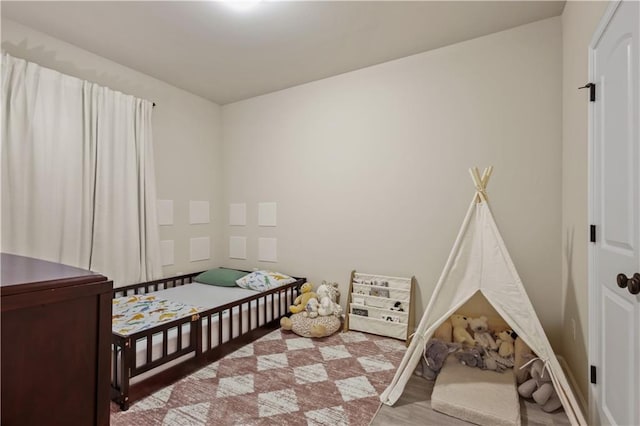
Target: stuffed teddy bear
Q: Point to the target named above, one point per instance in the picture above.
(481, 334)
(540, 387)
(435, 353)
(505, 341)
(327, 296)
(300, 303)
(460, 333)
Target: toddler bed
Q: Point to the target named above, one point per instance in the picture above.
(168, 328)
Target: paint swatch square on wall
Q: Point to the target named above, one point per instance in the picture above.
(267, 214)
(268, 249)
(199, 249)
(165, 212)
(166, 252)
(238, 247)
(238, 214)
(198, 212)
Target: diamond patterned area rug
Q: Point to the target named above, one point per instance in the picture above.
(280, 379)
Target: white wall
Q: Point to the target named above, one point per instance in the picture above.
(187, 139)
(579, 21)
(369, 168)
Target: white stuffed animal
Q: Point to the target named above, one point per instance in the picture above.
(481, 333)
(327, 295)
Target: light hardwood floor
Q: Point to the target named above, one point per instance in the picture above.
(414, 408)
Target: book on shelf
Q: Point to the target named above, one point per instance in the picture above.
(379, 283)
(359, 301)
(392, 318)
(360, 311)
(379, 292)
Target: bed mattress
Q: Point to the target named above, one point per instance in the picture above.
(132, 314)
(206, 296)
(478, 396)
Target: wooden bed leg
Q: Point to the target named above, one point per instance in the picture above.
(126, 374)
(125, 360)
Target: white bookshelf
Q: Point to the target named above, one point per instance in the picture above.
(381, 305)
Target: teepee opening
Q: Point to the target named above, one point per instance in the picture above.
(480, 279)
(478, 306)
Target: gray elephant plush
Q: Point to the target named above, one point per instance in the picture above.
(540, 388)
(435, 353)
(471, 356)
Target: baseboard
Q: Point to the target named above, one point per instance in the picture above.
(584, 406)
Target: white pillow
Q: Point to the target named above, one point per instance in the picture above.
(264, 280)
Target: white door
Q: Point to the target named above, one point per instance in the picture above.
(615, 210)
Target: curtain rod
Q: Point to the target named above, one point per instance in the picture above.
(3, 52)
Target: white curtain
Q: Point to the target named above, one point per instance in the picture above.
(78, 183)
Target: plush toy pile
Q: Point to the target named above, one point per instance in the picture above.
(315, 314)
(483, 349)
(474, 345)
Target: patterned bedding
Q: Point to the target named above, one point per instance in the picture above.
(132, 314)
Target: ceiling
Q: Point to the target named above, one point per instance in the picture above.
(225, 55)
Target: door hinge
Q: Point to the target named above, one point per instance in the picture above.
(593, 374)
(592, 233)
(592, 91)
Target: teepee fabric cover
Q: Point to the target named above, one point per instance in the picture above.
(479, 261)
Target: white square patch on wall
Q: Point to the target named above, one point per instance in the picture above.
(165, 212)
(166, 252)
(199, 249)
(267, 214)
(268, 249)
(238, 214)
(238, 247)
(198, 212)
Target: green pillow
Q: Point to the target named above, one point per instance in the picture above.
(221, 277)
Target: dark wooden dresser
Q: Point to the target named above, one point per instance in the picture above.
(56, 332)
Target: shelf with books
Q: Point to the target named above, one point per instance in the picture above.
(379, 313)
(381, 305)
(397, 294)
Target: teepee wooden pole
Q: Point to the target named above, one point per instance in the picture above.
(475, 174)
(486, 175)
(476, 198)
(481, 182)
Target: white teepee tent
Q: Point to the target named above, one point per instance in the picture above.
(479, 261)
